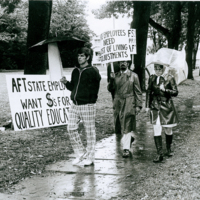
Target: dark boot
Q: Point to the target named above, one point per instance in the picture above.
(168, 145)
(158, 143)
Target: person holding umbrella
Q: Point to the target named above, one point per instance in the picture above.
(127, 102)
(161, 88)
(84, 87)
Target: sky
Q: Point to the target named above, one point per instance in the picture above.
(100, 26)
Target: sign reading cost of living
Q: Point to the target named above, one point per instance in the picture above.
(37, 102)
(117, 45)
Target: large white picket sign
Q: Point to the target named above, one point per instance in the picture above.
(117, 45)
(37, 102)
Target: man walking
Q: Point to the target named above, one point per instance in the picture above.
(127, 103)
(84, 87)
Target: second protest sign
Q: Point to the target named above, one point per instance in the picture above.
(117, 45)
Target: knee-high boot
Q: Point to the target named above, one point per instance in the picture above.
(158, 143)
(168, 145)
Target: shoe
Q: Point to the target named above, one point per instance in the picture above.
(77, 160)
(126, 153)
(87, 162)
(158, 159)
(169, 153)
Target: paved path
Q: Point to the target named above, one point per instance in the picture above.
(101, 181)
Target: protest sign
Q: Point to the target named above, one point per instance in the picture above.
(37, 102)
(132, 40)
(117, 45)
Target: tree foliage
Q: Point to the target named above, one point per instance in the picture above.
(68, 19)
(13, 32)
(179, 24)
(114, 8)
(166, 20)
(9, 5)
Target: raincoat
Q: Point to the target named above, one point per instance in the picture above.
(128, 96)
(160, 102)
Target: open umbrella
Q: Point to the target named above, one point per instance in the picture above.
(69, 43)
(174, 61)
(51, 46)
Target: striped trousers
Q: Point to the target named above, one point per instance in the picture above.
(87, 114)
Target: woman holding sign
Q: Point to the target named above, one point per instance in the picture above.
(127, 103)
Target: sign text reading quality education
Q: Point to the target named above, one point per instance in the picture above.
(37, 102)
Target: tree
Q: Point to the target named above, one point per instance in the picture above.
(9, 5)
(38, 30)
(159, 41)
(196, 38)
(193, 14)
(114, 8)
(184, 28)
(13, 32)
(140, 23)
(168, 21)
(68, 19)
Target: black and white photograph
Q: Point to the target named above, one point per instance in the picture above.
(99, 100)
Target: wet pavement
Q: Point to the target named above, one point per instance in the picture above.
(62, 180)
(103, 180)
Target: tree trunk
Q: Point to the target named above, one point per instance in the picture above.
(140, 23)
(194, 54)
(175, 34)
(190, 37)
(38, 30)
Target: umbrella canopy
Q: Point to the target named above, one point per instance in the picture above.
(69, 43)
(174, 61)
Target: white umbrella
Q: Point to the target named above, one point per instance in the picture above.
(174, 61)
